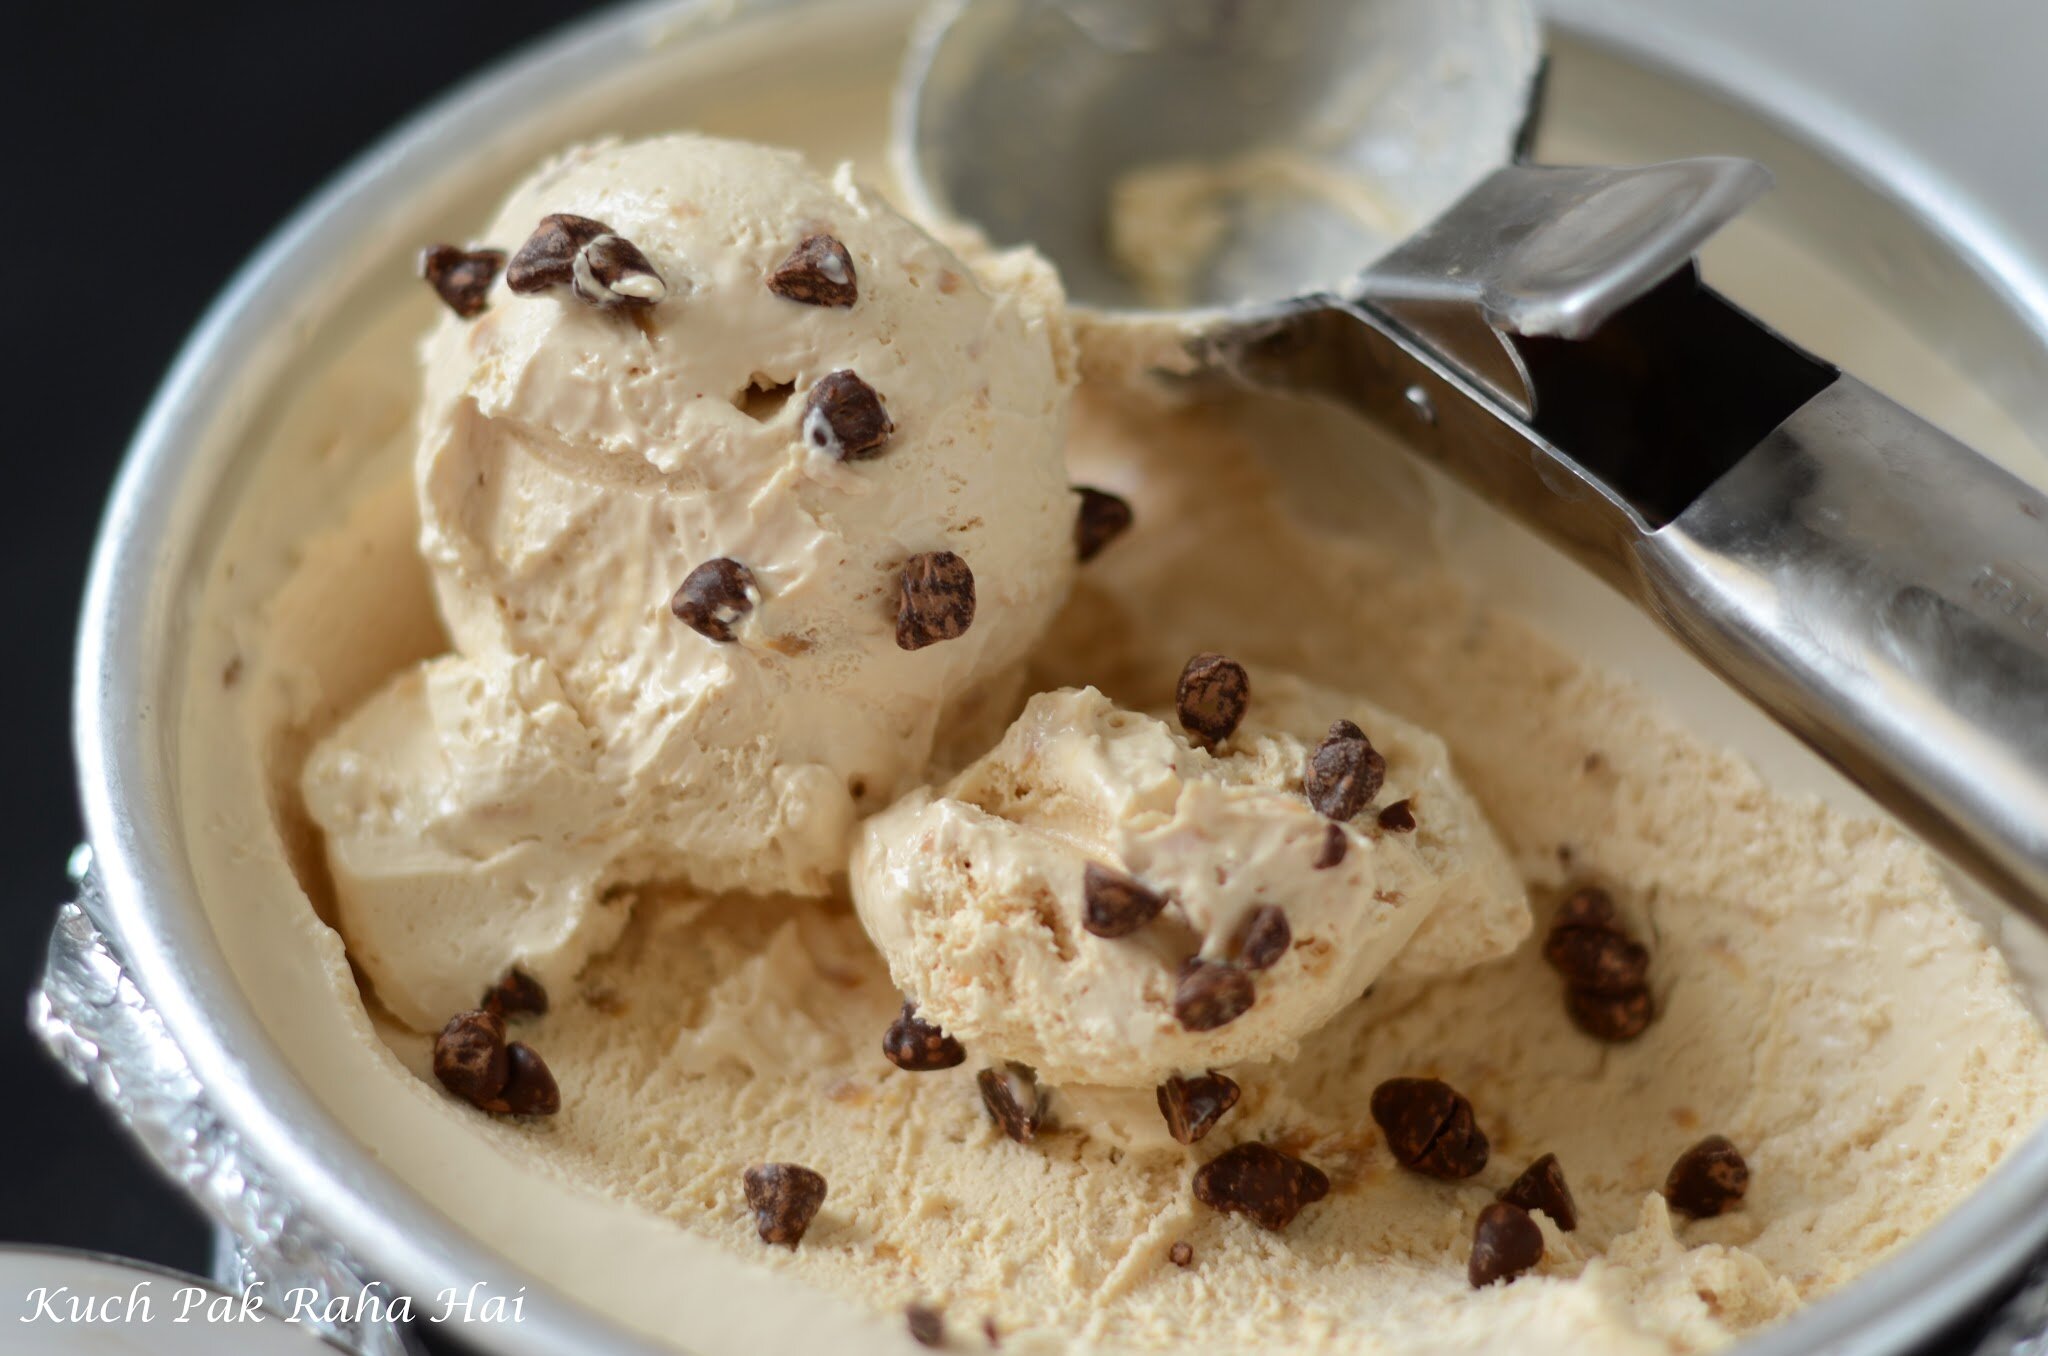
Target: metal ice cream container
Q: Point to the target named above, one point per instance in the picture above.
(1922, 215)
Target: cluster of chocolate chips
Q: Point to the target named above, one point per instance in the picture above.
(599, 267)
(1605, 970)
(1707, 1179)
(844, 417)
(1214, 993)
(784, 1198)
(1506, 1240)
(473, 1060)
(1430, 1129)
(1009, 1091)
(1210, 700)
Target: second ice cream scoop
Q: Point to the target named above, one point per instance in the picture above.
(1107, 900)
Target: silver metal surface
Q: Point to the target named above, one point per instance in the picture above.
(1878, 587)
(1871, 582)
(1884, 591)
(1024, 115)
(1550, 250)
(89, 1014)
(181, 471)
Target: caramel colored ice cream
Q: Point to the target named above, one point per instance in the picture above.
(975, 891)
(578, 462)
(618, 652)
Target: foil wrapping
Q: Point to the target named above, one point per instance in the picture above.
(89, 1013)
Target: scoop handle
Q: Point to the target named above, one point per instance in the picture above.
(1875, 585)
(1882, 590)
(1878, 587)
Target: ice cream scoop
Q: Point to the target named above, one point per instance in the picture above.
(740, 494)
(1543, 333)
(1106, 899)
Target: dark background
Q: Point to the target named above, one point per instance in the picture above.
(149, 146)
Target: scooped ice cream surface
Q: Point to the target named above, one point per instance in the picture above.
(726, 552)
(979, 893)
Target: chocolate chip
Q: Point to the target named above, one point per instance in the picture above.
(1258, 1180)
(469, 1056)
(1603, 967)
(1707, 1179)
(1211, 994)
(988, 1330)
(818, 272)
(926, 1325)
(1114, 905)
(1505, 1243)
(611, 271)
(1344, 772)
(1331, 852)
(1597, 962)
(716, 597)
(1542, 1187)
(1399, 817)
(529, 1088)
(1181, 1254)
(548, 258)
(1102, 519)
(517, 994)
(845, 419)
(1011, 1095)
(936, 600)
(1263, 938)
(1615, 1018)
(1192, 1106)
(1587, 907)
(917, 1046)
(1429, 1127)
(784, 1198)
(462, 278)
(1211, 697)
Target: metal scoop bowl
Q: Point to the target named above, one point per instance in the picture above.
(1344, 186)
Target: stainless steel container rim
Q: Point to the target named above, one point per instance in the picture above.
(130, 613)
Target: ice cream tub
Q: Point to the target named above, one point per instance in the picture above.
(185, 1001)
